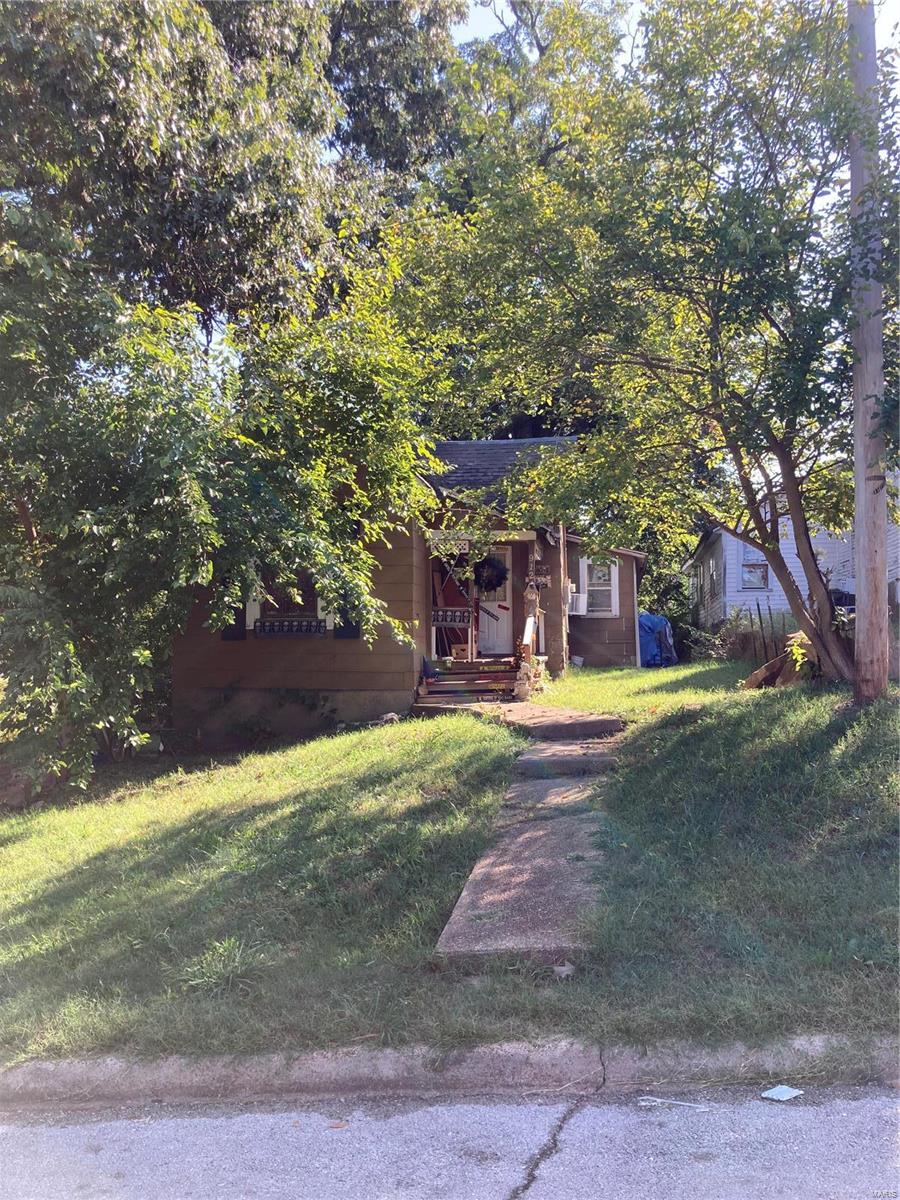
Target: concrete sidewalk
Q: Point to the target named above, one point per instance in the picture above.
(833, 1143)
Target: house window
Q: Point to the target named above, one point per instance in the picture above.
(754, 569)
(285, 615)
(713, 577)
(283, 605)
(600, 582)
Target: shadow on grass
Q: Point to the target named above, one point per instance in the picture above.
(703, 678)
(756, 835)
(747, 890)
(778, 760)
(326, 877)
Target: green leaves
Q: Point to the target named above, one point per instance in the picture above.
(651, 253)
(326, 457)
(159, 466)
(202, 388)
(121, 527)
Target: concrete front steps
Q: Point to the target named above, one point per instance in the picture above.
(544, 760)
(497, 681)
(557, 724)
(536, 720)
(529, 893)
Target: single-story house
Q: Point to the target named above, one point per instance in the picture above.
(293, 668)
(728, 576)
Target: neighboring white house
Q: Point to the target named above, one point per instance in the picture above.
(728, 575)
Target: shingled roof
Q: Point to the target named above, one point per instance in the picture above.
(483, 464)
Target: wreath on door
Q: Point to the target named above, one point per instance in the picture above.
(491, 573)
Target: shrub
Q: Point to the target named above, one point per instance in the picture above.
(739, 637)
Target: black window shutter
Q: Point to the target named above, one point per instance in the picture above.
(347, 628)
(237, 630)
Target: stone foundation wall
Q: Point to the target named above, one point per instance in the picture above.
(222, 718)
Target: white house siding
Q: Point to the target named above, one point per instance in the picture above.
(728, 550)
(711, 603)
(834, 553)
(838, 558)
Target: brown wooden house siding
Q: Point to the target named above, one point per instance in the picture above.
(227, 690)
(607, 641)
(293, 685)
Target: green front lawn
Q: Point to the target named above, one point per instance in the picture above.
(750, 882)
(292, 898)
(751, 876)
(642, 694)
(288, 898)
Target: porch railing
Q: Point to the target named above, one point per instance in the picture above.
(528, 636)
(451, 618)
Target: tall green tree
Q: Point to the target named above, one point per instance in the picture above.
(187, 141)
(202, 385)
(387, 65)
(182, 162)
(648, 245)
(163, 467)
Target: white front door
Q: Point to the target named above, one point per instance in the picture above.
(495, 627)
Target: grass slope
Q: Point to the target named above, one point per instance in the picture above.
(750, 875)
(641, 694)
(292, 899)
(751, 868)
(289, 898)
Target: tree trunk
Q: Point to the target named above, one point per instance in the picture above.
(831, 648)
(832, 642)
(26, 521)
(816, 620)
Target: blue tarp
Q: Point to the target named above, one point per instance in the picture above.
(657, 643)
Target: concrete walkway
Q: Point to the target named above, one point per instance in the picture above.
(530, 891)
(833, 1144)
(548, 760)
(554, 724)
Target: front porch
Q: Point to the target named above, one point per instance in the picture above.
(471, 620)
(495, 623)
(479, 610)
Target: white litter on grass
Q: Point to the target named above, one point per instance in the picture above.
(782, 1092)
(655, 1101)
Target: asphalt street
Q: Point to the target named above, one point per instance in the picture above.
(831, 1144)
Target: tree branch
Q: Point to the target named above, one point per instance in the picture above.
(26, 520)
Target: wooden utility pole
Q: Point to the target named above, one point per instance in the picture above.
(868, 370)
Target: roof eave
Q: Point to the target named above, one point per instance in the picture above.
(705, 539)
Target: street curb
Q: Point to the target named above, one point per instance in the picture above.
(563, 1067)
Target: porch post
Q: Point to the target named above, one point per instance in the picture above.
(532, 619)
(471, 643)
(556, 605)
